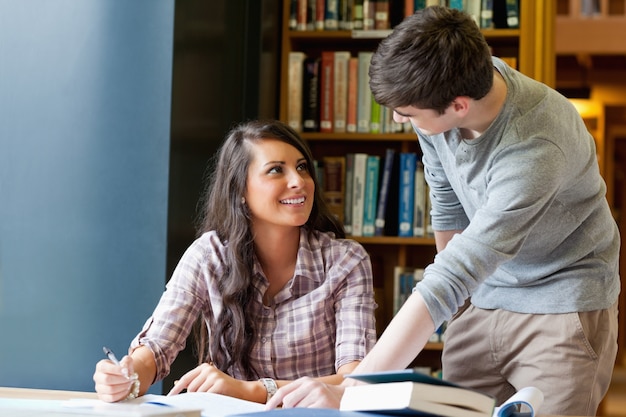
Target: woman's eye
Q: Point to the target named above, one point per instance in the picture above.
(275, 170)
(302, 167)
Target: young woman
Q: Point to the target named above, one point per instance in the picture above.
(279, 293)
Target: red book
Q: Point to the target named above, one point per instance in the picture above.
(327, 91)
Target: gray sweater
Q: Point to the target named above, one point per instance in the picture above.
(538, 234)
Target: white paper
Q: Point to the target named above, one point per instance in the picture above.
(212, 405)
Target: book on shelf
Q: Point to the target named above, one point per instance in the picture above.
(383, 192)
(353, 86)
(293, 15)
(419, 212)
(358, 192)
(301, 14)
(406, 198)
(456, 4)
(320, 12)
(311, 6)
(472, 7)
(364, 95)
(371, 194)
(357, 15)
(331, 15)
(340, 91)
(334, 190)
(375, 116)
(349, 182)
(310, 94)
(346, 10)
(381, 14)
(506, 13)
(327, 84)
(486, 14)
(294, 87)
(407, 391)
(369, 14)
(429, 223)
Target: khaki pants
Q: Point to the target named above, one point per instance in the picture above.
(570, 357)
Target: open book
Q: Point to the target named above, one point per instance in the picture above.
(411, 392)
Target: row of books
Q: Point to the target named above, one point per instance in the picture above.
(330, 93)
(312, 15)
(376, 196)
(341, 14)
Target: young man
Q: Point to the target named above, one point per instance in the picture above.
(527, 247)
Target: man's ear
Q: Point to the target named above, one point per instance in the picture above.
(461, 104)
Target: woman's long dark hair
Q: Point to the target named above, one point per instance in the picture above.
(233, 332)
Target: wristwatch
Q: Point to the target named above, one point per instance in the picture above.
(270, 386)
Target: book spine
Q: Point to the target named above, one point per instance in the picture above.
(486, 14)
(334, 168)
(320, 11)
(340, 93)
(383, 193)
(310, 14)
(429, 224)
(419, 217)
(472, 7)
(293, 14)
(381, 16)
(364, 95)
(419, 5)
(294, 103)
(407, 194)
(456, 4)
(505, 13)
(301, 15)
(357, 15)
(310, 95)
(375, 116)
(347, 214)
(327, 91)
(358, 193)
(353, 86)
(409, 7)
(371, 194)
(331, 15)
(369, 14)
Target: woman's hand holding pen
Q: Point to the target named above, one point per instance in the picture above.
(115, 380)
(207, 378)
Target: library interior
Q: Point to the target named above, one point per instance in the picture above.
(233, 60)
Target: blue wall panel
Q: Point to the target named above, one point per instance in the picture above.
(85, 92)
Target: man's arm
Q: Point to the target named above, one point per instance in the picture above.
(443, 237)
(402, 340)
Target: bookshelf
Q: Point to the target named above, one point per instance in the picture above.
(529, 47)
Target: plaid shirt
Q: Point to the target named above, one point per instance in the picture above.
(322, 319)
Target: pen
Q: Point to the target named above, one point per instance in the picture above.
(109, 353)
(134, 378)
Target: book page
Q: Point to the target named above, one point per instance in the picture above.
(525, 403)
